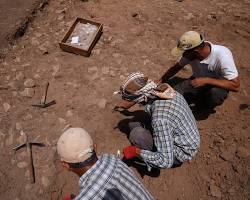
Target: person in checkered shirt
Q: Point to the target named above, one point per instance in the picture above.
(101, 178)
(175, 137)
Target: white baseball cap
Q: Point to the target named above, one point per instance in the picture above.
(75, 145)
(187, 41)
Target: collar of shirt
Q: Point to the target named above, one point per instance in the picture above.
(84, 177)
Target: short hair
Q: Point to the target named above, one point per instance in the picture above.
(91, 160)
(200, 46)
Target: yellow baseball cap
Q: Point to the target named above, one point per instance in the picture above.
(187, 41)
(75, 145)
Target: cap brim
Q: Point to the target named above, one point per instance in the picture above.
(176, 52)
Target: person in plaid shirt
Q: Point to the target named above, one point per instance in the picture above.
(175, 138)
(101, 178)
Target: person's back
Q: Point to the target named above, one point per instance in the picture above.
(111, 179)
(101, 178)
(177, 118)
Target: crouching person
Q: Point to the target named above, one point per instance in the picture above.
(175, 135)
(101, 178)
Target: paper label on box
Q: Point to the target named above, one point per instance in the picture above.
(75, 40)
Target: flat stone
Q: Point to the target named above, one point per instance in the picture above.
(242, 152)
(56, 69)
(105, 70)
(122, 77)
(215, 190)
(43, 50)
(115, 55)
(36, 76)
(20, 139)
(92, 69)
(28, 117)
(94, 76)
(27, 174)
(14, 93)
(69, 113)
(188, 17)
(102, 103)
(13, 85)
(34, 42)
(22, 164)
(18, 126)
(28, 187)
(29, 83)
(61, 120)
(96, 51)
(112, 73)
(228, 153)
(6, 107)
(9, 140)
(45, 181)
(19, 76)
(28, 92)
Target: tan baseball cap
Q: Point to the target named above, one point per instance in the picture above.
(75, 145)
(187, 41)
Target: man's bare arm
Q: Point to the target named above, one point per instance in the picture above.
(171, 72)
(232, 85)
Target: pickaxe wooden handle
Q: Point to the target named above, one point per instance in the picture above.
(29, 154)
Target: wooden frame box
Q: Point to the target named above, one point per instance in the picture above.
(64, 45)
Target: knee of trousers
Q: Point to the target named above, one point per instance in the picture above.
(141, 138)
(217, 96)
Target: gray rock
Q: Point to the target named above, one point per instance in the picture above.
(6, 107)
(22, 164)
(28, 92)
(242, 152)
(102, 103)
(29, 83)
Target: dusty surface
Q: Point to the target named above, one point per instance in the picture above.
(14, 15)
(138, 35)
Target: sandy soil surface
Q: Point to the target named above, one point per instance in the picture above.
(15, 15)
(137, 35)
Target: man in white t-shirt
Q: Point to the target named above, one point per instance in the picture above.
(214, 70)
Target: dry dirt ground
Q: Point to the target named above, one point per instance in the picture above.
(137, 35)
(15, 17)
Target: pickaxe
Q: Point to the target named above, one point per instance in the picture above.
(29, 153)
(44, 104)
